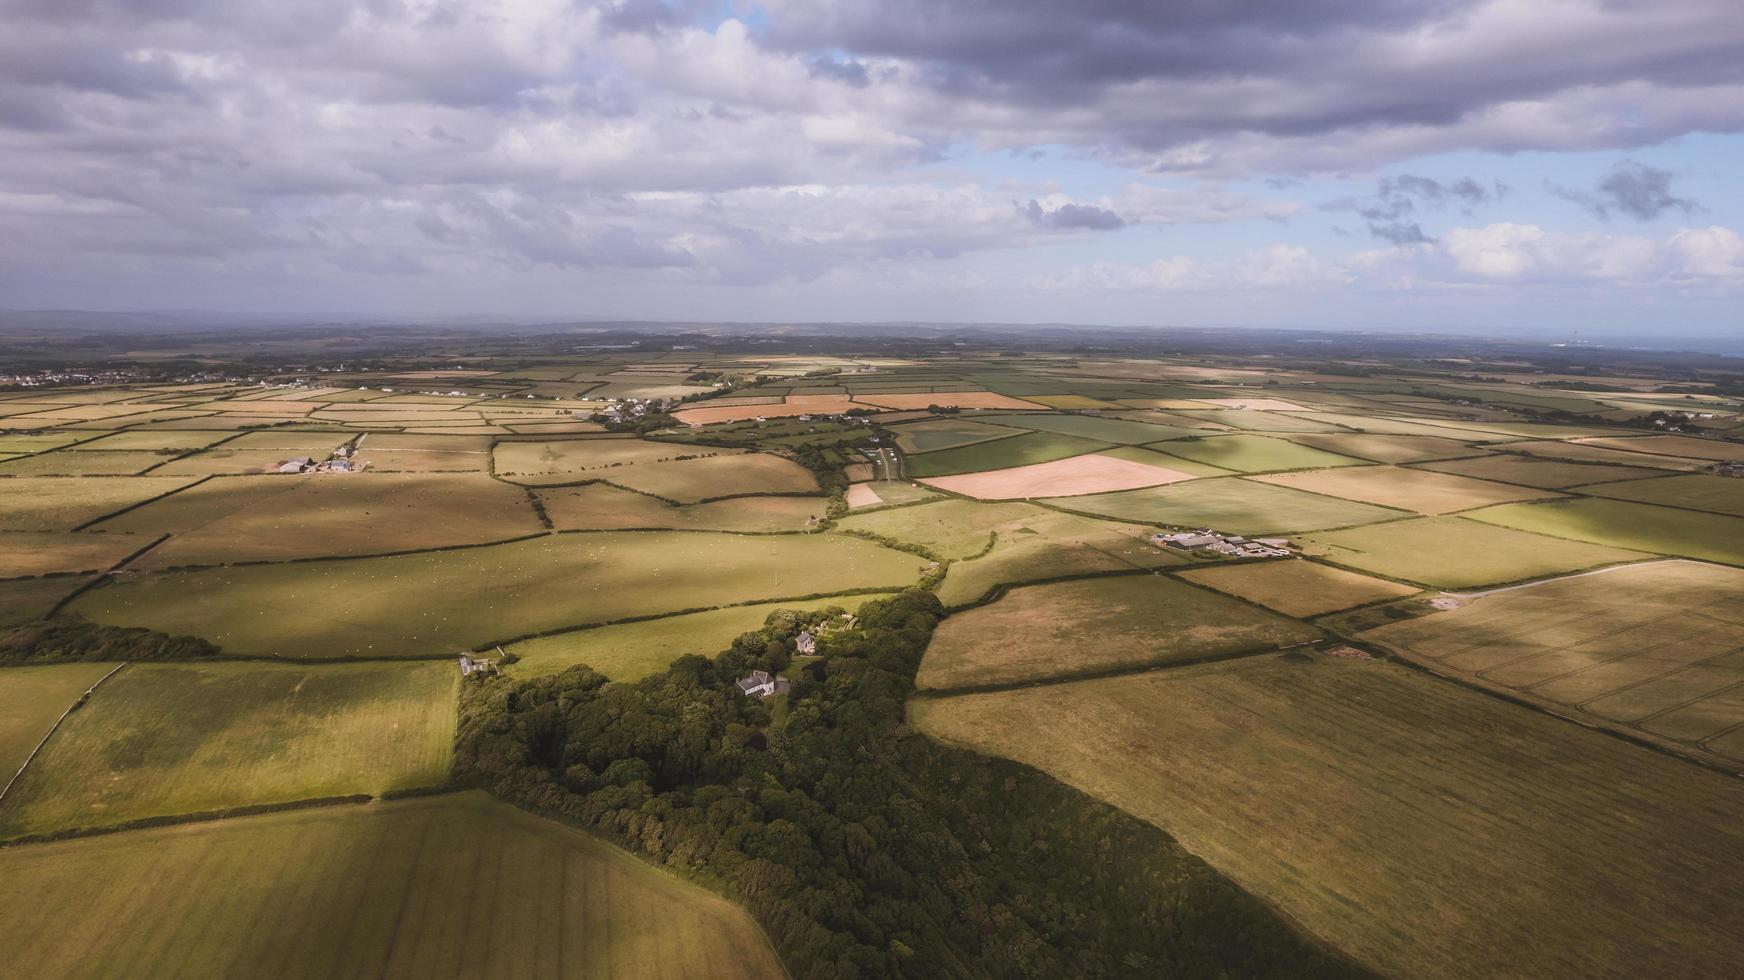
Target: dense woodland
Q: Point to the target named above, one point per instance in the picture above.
(864, 849)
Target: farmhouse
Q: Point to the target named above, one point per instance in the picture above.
(761, 684)
(805, 643)
(470, 666)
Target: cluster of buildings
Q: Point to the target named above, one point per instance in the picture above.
(1229, 545)
(1729, 468)
(341, 461)
(762, 684)
(631, 409)
(470, 665)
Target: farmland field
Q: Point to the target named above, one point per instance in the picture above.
(1022, 450)
(1406, 489)
(1253, 454)
(1697, 491)
(456, 885)
(1550, 474)
(936, 434)
(25, 599)
(1099, 428)
(1655, 649)
(569, 460)
(1395, 815)
(68, 463)
(1453, 553)
(1296, 588)
(1237, 506)
(1688, 447)
(1623, 524)
(1087, 474)
(1053, 547)
(439, 602)
(1589, 453)
(31, 698)
(1068, 628)
(602, 507)
(24, 553)
(163, 739)
(1384, 448)
(59, 503)
(692, 480)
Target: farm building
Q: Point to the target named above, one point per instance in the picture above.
(295, 464)
(470, 666)
(805, 643)
(761, 684)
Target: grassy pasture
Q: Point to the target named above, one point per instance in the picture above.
(899, 492)
(161, 739)
(1549, 474)
(1625, 524)
(1425, 829)
(24, 553)
(1383, 448)
(438, 602)
(60, 503)
(692, 480)
(1700, 491)
(1296, 588)
(1261, 421)
(1234, 505)
(568, 460)
(1062, 629)
(1022, 450)
(1453, 553)
(1252, 454)
(25, 599)
(1656, 649)
(948, 528)
(65, 462)
(242, 518)
(31, 698)
(1126, 432)
(1388, 425)
(600, 507)
(1052, 548)
(153, 440)
(1588, 453)
(450, 886)
(950, 433)
(632, 651)
(1688, 447)
(1407, 489)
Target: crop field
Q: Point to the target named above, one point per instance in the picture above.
(1406, 489)
(1127, 432)
(1656, 649)
(1253, 454)
(1384, 448)
(456, 885)
(1065, 629)
(1234, 505)
(26, 553)
(1549, 474)
(240, 518)
(164, 739)
(1022, 450)
(1394, 814)
(1454, 553)
(31, 698)
(61, 503)
(434, 603)
(632, 651)
(1624, 524)
(931, 435)
(693, 480)
(1688, 447)
(1697, 491)
(569, 460)
(598, 507)
(1076, 475)
(1296, 588)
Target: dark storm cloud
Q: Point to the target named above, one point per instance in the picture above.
(1635, 189)
(1391, 213)
(1073, 217)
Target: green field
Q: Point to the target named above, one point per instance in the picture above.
(1385, 448)
(60, 503)
(1623, 524)
(31, 698)
(1053, 548)
(692, 480)
(1586, 453)
(1407, 489)
(1252, 454)
(163, 739)
(1233, 505)
(946, 433)
(1455, 553)
(24, 553)
(70, 463)
(569, 460)
(1550, 474)
(1064, 629)
(1098, 428)
(25, 599)
(1697, 491)
(948, 528)
(1251, 421)
(439, 602)
(1296, 588)
(452, 886)
(1688, 447)
(632, 651)
(601, 507)
(1426, 829)
(1034, 447)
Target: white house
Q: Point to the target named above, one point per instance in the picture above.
(757, 684)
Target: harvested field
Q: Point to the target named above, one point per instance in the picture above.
(1392, 814)
(1150, 457)
(1406, 489)
(935, 434)
(274, 518)
(1688, 447)
(1063, 629)
(1071, 477)
(1256, 404)
(60, 503)
(632, 651)
(457, 885)
(1022, 450)
(1551, 474)
(861, 495)
(569, 460)
(1119, 431)
(1295, 587)
(1252, 454)
(1624, 524)
(600, 507)
(1655, 649)
(1230, 504)
(1384, 448)
(31, 698)
(901, 492)
(26, 553)
(947, 399)
(163, 739)
(1456, 553)
(691, 480)
(1698, 491)
(434, 603)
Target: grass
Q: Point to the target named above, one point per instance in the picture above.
(435, 603)
(1700, 491)
(1583, 452)
(900, 492)
(164, 739)
(1098, 428)
(31, 698)
(1296, 588)
(1406, 489)
(1051, 548)
(1252, 454)
(568, 460)
(60, 503)
(1064, 629)
(66, 462)
(947, 433)
(1452, 552)
(1425, 829)
(1685, 446)
(448, 886)
(24, 553)
(154, 439)
(1624, 524)
(1234, 505)
(1550, 474)
(273, 518)
(948, 528)
(1033, 447)
(692, 480)
(1655, 649)
(601, 507)
(632, 651)
(1385, 448)
(25, 599)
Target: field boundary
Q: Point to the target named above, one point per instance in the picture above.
(80, 700)
(1054, 680)
(100, 578)
(207, 816)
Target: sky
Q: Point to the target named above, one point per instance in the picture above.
(1494, 166)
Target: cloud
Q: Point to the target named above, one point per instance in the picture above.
(1636, 189)
(1391, 211)
(1080, 217)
